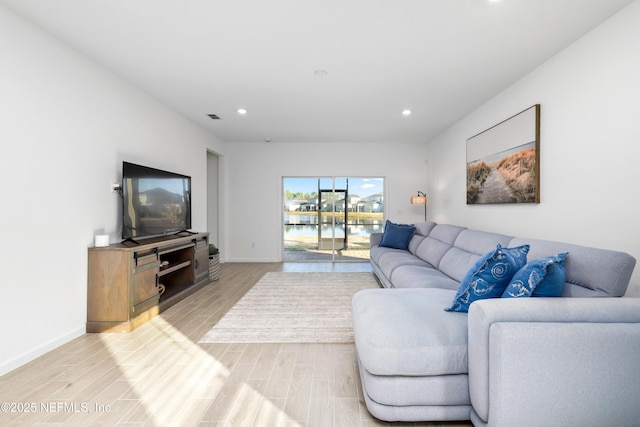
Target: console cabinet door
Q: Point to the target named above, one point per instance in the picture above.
(145, 281)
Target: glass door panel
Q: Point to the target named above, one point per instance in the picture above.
(364, 214)
(300, 197)
(331, 233)
(331, 218)
(340, 213)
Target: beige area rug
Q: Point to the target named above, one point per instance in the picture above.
(293, 307)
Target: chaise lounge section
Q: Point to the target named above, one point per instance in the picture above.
(508, 361)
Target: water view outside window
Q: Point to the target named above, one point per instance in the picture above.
(330, 219)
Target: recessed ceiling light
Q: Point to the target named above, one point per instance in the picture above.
(406, 112)
(242, 111)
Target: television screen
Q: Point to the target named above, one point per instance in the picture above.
(154, 201)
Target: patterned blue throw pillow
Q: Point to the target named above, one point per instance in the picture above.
(397, 236)
(489, 276)
(543, 277)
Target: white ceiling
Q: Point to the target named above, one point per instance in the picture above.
(439, 58)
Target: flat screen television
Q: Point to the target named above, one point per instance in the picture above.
(155, 202)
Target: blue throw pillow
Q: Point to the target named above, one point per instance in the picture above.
(543, 277)
(397, 236)
(489, 276)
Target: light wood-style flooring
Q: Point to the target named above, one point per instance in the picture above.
(158, 375)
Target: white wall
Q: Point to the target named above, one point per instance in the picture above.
(67, 124)
(255, 170)
(590, 147)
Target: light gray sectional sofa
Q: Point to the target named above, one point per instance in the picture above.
(573, 360)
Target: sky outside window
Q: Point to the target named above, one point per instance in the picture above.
(362, 187)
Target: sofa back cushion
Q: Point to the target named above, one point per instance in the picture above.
(437, 243)
(415, 242)
(591, 272)
(422, 231)
(424, 228)
(480, 242)
(467, 248)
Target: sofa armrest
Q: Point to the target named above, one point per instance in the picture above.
(375, 239)
(554, 361)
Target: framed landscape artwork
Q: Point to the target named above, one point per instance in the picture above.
(503, 162)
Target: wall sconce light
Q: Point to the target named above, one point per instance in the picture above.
(420, 199)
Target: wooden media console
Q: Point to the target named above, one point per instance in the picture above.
(125, 280)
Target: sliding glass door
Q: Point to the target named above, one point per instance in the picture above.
(331, 218)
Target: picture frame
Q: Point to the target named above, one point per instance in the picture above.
(503, 162)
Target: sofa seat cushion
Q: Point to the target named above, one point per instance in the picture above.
(391, 260)
(420, 276)
(407, 332)
(377, 252)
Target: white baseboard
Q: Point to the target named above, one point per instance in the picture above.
(10, 365)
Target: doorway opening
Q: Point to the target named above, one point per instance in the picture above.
(331, 218)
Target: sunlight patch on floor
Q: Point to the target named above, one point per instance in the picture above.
(184, 384)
